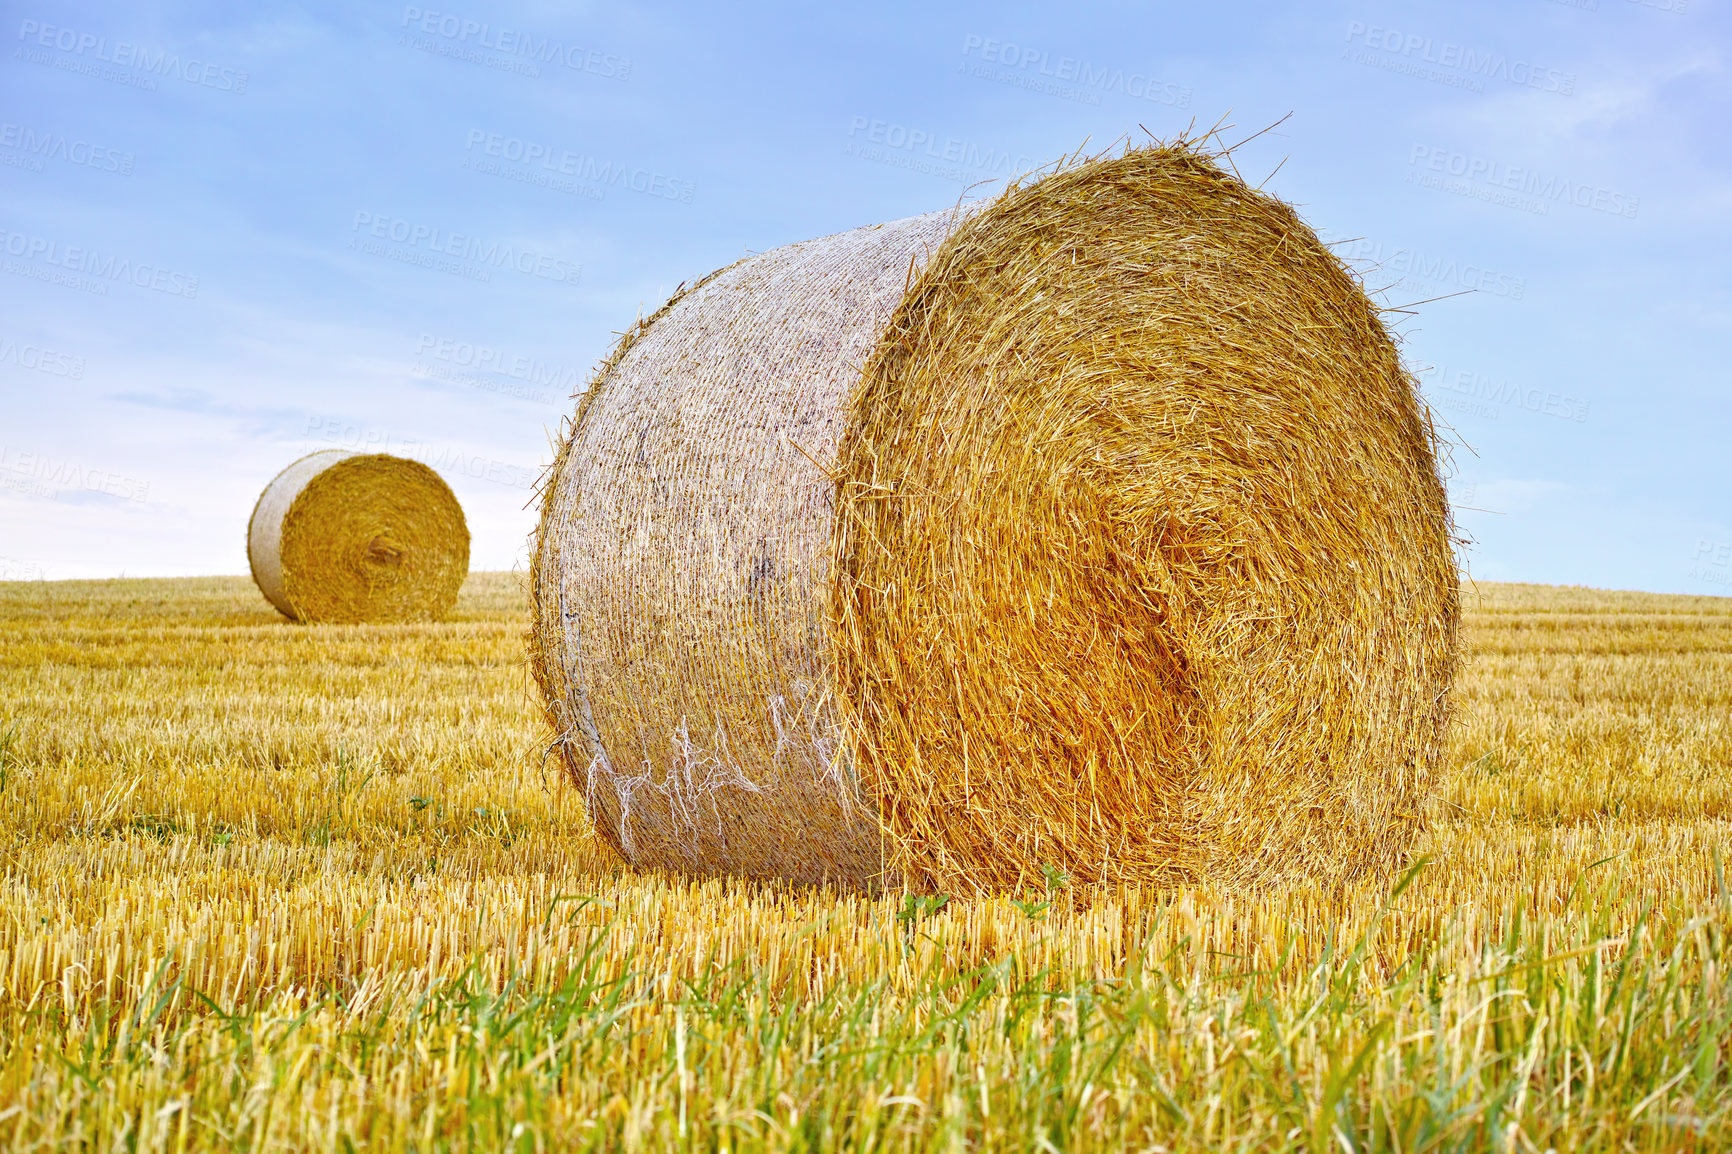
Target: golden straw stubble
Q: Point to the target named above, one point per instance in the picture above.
(1094, 528)
(348, 538)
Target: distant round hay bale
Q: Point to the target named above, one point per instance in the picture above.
(1098, 527)
(358, 537)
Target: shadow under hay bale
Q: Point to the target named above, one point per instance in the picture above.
(1096, 527)
(347, 538)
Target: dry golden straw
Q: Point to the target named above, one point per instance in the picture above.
(357, 537)
(1097, 527)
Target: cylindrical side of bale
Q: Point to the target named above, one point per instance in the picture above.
(1097, 527)
(347, 537)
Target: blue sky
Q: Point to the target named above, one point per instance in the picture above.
(234, 234)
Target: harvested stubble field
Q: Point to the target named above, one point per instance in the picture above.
(277, 887)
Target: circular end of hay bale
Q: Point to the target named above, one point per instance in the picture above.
(348, 538)
(1143, 562)
(1097, 528)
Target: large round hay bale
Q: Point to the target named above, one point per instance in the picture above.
(1098, 527)
(353, 537)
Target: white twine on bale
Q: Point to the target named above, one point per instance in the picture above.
(265, 527)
